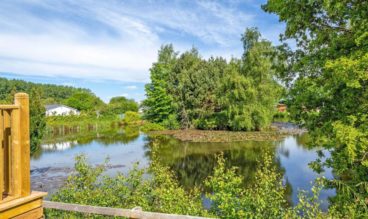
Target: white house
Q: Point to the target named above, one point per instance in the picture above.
(60, 110)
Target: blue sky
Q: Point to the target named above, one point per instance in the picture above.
(108, 46)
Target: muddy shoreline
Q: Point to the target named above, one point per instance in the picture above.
(50, 179)
(277, 131)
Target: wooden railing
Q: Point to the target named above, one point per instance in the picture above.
(16, 198)
(14, 151)
(135, 213)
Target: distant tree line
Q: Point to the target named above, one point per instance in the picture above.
(79, 98)
(187, 91)
(51, 93)
(43, 94)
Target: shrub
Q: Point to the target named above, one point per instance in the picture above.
(148, 127)
(131, 118)
(266, 199)
(171, 122)
(206, 124)
(159, 193)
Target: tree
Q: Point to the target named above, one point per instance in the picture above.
(55, 93)
(184, 86)
(119, 105)
(37, 118)
(84, 101)
(328, 93)
(215, 94)
(158, 105)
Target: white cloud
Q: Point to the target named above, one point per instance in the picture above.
(114, 40)
(62, 47)
(131, 87)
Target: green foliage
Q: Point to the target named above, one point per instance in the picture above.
(159, 193)
(37, 118)
(281, 117)
(266, 199)
(119, 105)
(158, 105)
(171, 122)
(328, 79)
(84, 101)
(215, 94)
(50, 93)
(83, 121)
(131, 118)
(148, 127)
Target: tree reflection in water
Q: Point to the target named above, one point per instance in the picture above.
(193, 162)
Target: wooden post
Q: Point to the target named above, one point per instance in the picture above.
(2, 156)
(7, 152)
(16, 157)
(22, 100)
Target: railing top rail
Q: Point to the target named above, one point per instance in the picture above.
(8, 107)
(136, 213)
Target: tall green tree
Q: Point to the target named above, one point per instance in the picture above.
(158, 105)
(328, 93)
(185, 86)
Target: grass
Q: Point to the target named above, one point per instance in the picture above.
(83, 122)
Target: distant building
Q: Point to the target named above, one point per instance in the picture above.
(60, 110)
(281, 107)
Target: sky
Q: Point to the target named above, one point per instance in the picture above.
(108, 46)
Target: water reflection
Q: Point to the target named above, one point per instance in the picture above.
(59, 146)
(191, 162)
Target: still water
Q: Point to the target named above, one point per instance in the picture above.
(191, 162)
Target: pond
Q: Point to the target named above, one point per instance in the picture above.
(191, 162)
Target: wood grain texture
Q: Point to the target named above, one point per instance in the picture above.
(15, 158)
(8, 107)
(2, 176)
(7, 152)
(22, 100)
(133, 213)
(33, 214)
(21, 206)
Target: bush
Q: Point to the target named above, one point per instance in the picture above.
(131, 118)
(266, 199)
(206, 124)
(281, 117)
(159, 193)
(162, 193)
(171, 122)
(148, 127)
